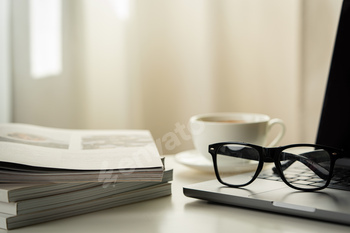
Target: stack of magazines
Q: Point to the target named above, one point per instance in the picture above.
(48, 174)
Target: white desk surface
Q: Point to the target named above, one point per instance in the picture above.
(178, 213)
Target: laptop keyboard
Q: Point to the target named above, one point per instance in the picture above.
(340, 180)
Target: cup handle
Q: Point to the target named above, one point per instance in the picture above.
(280, 135)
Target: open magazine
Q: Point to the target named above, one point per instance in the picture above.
(31, 153)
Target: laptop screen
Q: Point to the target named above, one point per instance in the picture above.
(334, 126)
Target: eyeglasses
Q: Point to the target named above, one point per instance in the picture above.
(305, 167)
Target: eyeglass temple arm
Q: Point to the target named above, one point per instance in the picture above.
(319, 170)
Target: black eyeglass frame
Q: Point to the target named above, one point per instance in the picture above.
(271, 155)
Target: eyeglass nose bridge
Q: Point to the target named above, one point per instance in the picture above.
(269, 154)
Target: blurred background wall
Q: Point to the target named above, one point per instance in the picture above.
(152, 64)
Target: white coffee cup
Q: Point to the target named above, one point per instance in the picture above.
(251, 128)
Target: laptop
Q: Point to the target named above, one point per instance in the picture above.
(269, 194)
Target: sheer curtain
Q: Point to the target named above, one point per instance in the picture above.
(5, 64)
(155, 63)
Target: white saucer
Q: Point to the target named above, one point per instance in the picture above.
(193, 159)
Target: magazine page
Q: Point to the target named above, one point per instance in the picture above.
(77, 149)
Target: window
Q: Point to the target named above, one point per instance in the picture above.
(45, 38)
(121, 8)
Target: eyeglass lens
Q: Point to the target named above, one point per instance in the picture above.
(235, 157)
(303, 167)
